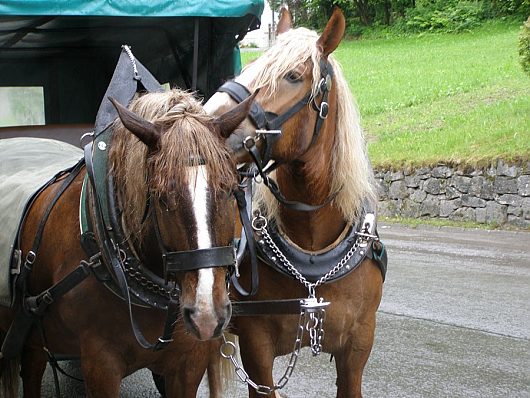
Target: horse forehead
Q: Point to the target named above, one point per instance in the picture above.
(250, 73)
(198, 187)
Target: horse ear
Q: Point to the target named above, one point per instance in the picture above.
(228, 121)
(333, 32)
(286, 21)
(146, 132)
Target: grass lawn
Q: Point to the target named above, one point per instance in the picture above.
(451, 98)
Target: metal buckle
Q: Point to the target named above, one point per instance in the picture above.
(312, 304)
(249, 142)
(30, 258)
(47, 297)
(367, 230)
(266, 132)
(324, 110)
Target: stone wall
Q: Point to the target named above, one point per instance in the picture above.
(497, 194)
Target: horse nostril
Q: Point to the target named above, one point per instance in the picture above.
(187, 313)
(220, 327)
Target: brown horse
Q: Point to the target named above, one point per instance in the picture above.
(172, 176)
(321, 161)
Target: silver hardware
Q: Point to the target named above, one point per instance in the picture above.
(328, 82)
(259, 223)
(312, 316)
(160, 339)
(266, 132)
(30, 258)
(102, 146)
(249, 142)
(89, 134)
(324, 110)
(367, 230)
(313, 305)
(369, 223)
(236, 264)
(228, 351)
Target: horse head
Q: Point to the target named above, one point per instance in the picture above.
(304, 119)
(293, 76)
(174, 185)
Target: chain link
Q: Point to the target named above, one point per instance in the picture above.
(259, 223)
(228, 351)
(133, 60)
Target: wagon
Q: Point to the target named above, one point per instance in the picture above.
(63, 53)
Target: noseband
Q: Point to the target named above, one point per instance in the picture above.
(190, 260)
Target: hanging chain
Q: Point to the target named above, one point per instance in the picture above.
(312, 313)
(228, 351)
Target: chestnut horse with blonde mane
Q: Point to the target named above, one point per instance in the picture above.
(173, 177)
(327, 202)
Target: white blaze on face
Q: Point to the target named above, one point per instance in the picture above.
(198, 186)
(220, 100)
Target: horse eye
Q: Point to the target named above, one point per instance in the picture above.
(293, 77)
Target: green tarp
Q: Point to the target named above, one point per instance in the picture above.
(133, 8)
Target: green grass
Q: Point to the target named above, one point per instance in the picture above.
(452, 98)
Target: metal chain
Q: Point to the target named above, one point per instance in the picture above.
(259, 223)
(229, 350)
(315, 325)
(133, 60)
(312, 314)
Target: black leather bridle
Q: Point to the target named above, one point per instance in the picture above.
(190, 260)
(266, 122)
(271, 122)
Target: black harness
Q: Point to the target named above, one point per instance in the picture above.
(270, 123)
(128, 274)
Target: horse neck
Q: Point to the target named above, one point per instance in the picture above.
(308, 180)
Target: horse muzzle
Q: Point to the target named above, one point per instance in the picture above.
(206, 326)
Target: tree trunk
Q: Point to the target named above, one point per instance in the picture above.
(364, 11)
(387, 10)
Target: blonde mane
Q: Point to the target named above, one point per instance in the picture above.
(350, 173)
(187, 138)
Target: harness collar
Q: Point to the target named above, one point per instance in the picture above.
(314, 265)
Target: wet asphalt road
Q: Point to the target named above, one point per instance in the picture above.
(454, 322)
